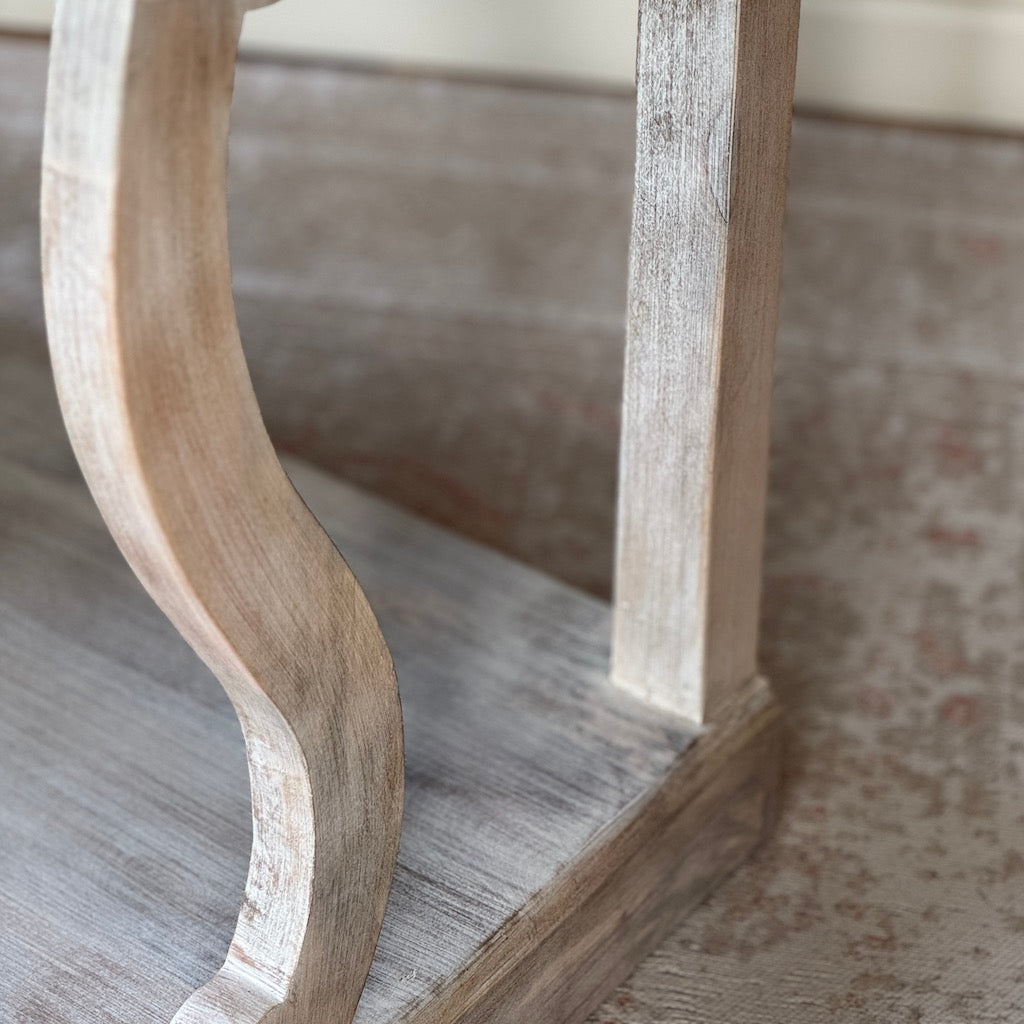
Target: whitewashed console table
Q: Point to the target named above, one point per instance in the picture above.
(500, 830)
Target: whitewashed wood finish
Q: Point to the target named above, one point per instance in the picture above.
(555, 826)
(715, 88)
(161, 413)
(560, 826)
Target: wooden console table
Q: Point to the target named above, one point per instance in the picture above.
(574, 777)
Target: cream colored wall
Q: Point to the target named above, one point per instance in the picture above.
(952, 61)
(957, 62)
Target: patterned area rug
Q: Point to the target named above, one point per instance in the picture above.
(430, 279)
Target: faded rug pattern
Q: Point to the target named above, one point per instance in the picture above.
(431, 283)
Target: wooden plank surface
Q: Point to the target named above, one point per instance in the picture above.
(125, 805)
(714, 102)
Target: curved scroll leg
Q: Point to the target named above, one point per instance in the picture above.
(158, 403)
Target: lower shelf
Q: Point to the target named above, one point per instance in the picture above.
(555, 828)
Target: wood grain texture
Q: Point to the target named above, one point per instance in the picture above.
(521, 914)
(161, 413)
(658, 863)
(715, 89)
(555, 826)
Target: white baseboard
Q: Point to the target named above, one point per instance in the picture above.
(957, 62)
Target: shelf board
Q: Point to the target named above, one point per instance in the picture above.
(543, 806)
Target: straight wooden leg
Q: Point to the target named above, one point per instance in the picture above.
(715, 88)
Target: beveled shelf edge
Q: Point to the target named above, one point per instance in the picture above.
(614, 904)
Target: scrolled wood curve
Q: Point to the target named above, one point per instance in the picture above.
(160, 409)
